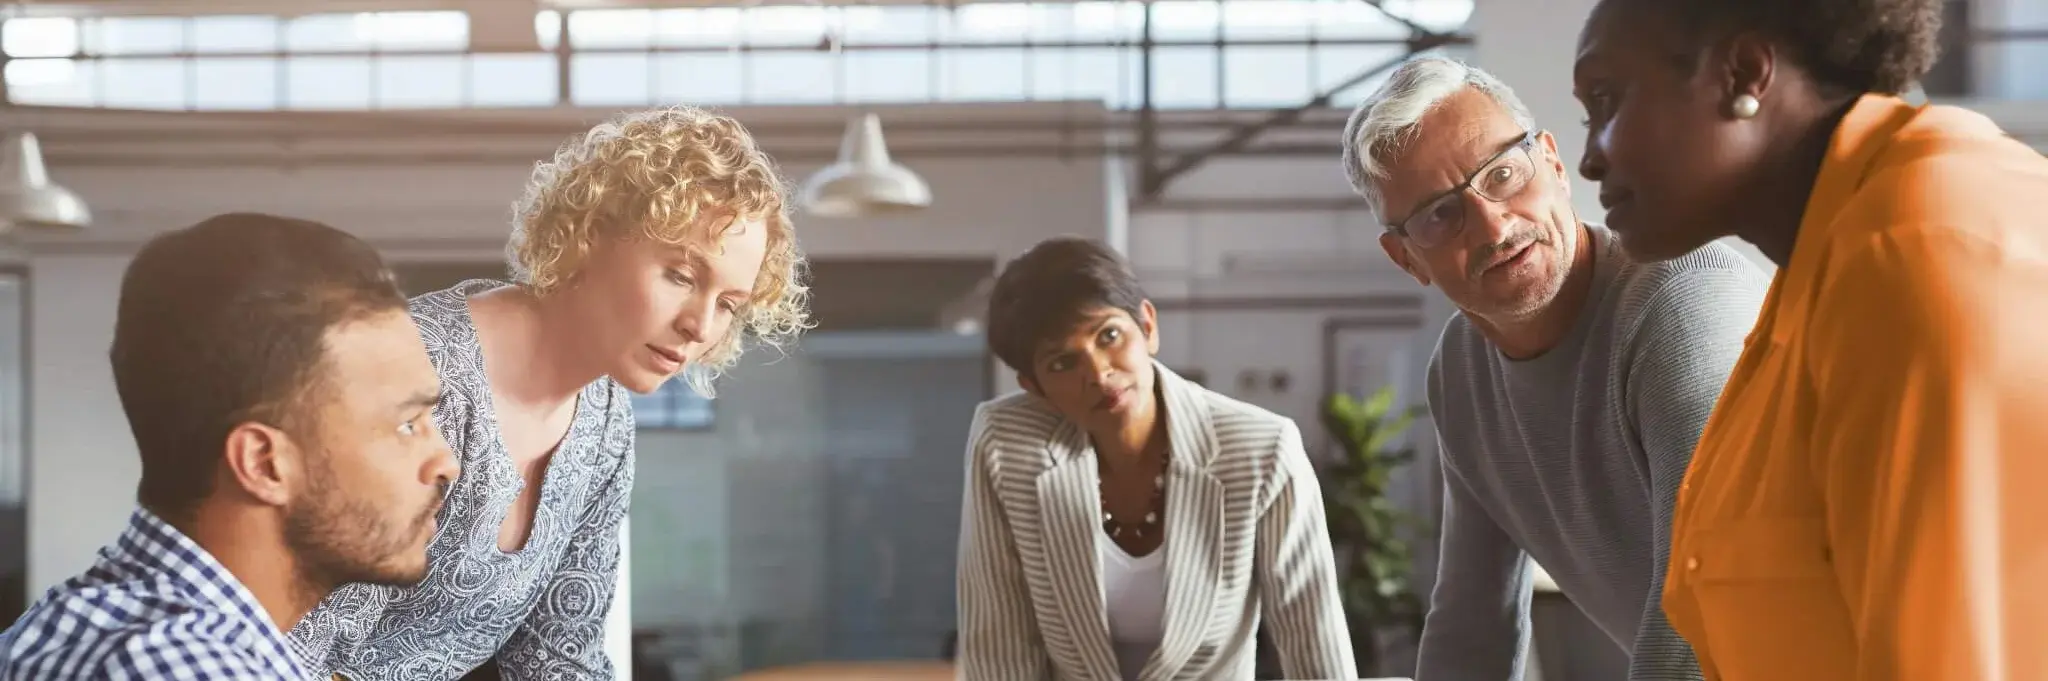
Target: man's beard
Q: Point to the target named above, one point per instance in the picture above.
(1528, 301)
(337, 540)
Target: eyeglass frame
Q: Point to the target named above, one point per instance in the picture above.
(1526, 144)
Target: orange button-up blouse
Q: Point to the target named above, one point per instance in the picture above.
(1869, 501)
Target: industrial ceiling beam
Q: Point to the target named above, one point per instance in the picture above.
(1414, 28)
(1157, 181)
(1153, 180)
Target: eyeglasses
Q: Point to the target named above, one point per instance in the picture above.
(1499, 180)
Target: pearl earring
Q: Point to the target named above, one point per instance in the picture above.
(1746, 106)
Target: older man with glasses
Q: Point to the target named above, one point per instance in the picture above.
(1569, 390)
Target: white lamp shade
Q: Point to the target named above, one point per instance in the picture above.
(864, 182)
(28, 198)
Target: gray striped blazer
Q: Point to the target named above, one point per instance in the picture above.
(1245, 538)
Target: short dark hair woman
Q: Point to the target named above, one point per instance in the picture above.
(1122, 521)
(1864, 503)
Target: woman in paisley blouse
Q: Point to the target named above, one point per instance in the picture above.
(656, 244)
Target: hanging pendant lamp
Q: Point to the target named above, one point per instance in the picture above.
(28, 200)
(864, 182)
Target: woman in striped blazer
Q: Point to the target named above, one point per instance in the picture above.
(1122, 523)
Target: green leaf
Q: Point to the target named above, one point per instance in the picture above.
(1379, 403)
(1367, 529)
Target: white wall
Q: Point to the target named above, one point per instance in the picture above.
(82, 465)
(2010, 69)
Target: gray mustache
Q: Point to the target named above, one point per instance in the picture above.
(1491, 254)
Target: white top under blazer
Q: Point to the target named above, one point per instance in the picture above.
(1134, 593)
(1245, 540)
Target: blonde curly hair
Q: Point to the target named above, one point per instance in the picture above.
(678, 176)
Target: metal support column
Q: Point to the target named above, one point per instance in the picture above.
(1148, 110)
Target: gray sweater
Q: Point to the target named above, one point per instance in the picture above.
(1574, 458)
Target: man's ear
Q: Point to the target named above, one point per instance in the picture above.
(262, 462)
(1557, 166)
(1397, 251)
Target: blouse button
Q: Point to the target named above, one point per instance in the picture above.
(1692, 563)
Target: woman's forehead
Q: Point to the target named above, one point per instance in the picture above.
(1620, 28)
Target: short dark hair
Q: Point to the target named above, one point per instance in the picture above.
(1853, 46)
(1044, 292)
(224, 322)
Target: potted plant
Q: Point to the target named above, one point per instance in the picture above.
(1366, 528)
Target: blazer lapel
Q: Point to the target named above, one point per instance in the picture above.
(1071, 504)
(1194, 527)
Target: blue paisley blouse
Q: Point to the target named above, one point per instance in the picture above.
(541, 610)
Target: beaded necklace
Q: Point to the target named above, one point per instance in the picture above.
(1150, 523)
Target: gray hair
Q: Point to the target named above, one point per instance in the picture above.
(1388, 120)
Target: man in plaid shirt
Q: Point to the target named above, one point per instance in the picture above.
(281, 399)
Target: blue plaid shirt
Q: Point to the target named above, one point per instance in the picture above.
(155, 606)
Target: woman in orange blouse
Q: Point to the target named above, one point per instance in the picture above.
(1866, 503)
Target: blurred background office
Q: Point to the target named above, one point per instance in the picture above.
(809, 514)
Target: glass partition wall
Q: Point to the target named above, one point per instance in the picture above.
(817, 519)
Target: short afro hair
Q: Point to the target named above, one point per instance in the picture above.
(1853, 46)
